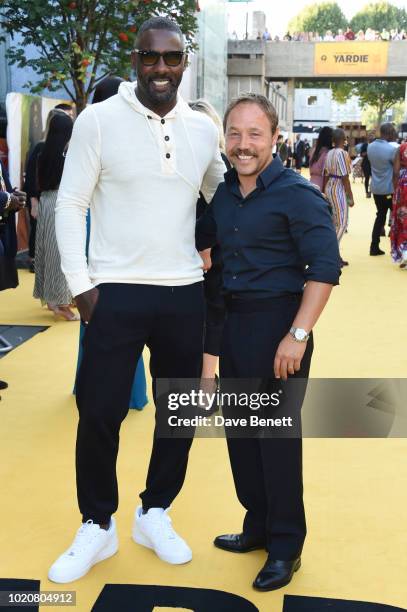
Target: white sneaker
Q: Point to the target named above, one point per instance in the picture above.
(91, 545)
(154, 530)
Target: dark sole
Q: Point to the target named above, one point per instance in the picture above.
(235, 550)
(280, 586)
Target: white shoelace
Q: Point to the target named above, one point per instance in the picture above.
(162, 526)
(85, 535)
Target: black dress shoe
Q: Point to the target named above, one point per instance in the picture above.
(376, 251)
(239, 542)
(276, 574)
(3, 385)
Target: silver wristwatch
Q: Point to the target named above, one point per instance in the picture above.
(298, 334)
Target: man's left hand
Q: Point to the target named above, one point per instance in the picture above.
(206, 259)
(288, 357)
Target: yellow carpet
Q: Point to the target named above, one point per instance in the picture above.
(355, 490)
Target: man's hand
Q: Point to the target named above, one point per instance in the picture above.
(206, 259)
(86, 302)
(18, 200)
(288, 357)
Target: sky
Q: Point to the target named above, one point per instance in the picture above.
(279, 13)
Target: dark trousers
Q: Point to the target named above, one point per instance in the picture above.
(367, 175)
(383, 205)
(169, 320)
(267, 472)
(31, 240)
(215, 306)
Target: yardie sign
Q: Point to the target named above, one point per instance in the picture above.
(351, 58)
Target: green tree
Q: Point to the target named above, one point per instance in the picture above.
(380, 96)
(378, 16)
(369, 116)
(319, 18)
(79, 42)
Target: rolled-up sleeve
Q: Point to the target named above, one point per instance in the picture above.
(80, 176)
(312, 230)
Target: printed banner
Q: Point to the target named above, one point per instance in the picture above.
(26, 121)
(351, 58)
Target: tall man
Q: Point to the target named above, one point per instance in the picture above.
(276, 236)
(381, 153)
(139, 160)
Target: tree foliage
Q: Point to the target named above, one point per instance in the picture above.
(319, 18)
(380, 95)
(378, 16)
(79, 42)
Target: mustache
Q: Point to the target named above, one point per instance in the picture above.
(238, 151)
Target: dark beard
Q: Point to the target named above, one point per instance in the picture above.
(162, 97)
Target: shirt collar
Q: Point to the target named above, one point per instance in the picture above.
(180, 107)
(269, 174)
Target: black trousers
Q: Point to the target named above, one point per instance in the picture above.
(383, 204)
(367, 175)
(169, 320)
(215, 305)
(31, 240)
(267, 471)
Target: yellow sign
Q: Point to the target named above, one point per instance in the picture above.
(351, 58)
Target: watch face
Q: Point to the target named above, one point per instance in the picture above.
(300, 334)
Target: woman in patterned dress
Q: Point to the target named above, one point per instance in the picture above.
(398, 233)
(50, 283)
(337, 187)
(318, 156)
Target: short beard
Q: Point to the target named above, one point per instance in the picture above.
(164, 97)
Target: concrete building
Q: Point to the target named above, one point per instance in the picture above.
(254, 64)
(312, 107)
(348, 112)
(211, 58)
(247, 72)
(258, 24)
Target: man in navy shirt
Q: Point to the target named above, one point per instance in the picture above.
(281, 260)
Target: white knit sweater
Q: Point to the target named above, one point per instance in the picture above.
(141, 176)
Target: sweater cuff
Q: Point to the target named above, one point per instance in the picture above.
(79, 283)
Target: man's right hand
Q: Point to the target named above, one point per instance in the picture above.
(86, 302)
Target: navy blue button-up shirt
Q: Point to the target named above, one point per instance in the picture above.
(274, 240)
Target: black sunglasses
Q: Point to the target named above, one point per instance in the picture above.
(151, 58)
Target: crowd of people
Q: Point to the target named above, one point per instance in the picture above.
(347, 35)
(123, 233)
(382, 162)
(339, 35)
